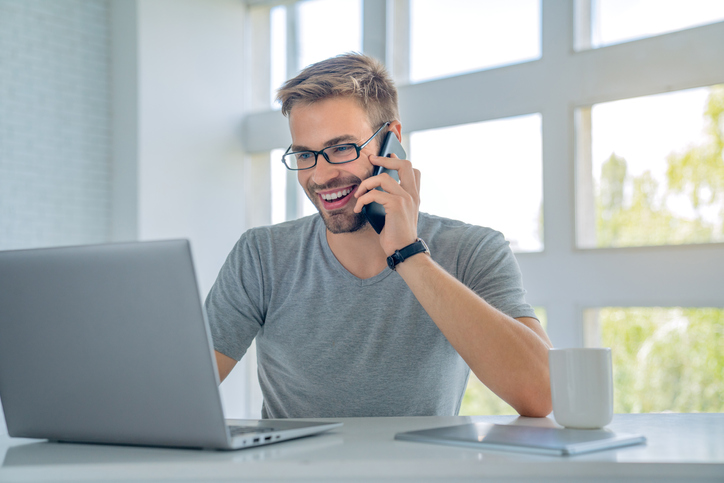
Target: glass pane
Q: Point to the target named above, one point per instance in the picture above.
(278, 187)
(616, 21)
(327, 28)
(657, 169)
(278, 19)
(460, 36)
(478, 399)
(665, 359)
(486, 173)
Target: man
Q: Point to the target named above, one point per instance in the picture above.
(338, 332)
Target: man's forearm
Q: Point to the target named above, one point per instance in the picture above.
(508, 356)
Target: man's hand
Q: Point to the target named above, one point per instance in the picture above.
(400, 200)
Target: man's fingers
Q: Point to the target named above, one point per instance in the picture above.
(389, 201)
(384, 181)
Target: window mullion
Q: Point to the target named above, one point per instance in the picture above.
(374, 29)
(398, 43)
(293, 202)
(292, 41)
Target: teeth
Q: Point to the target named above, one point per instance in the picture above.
(338, 194)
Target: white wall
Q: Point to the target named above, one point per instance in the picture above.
(190, 160)
(54, 124)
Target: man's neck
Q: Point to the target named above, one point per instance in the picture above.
(359, 252)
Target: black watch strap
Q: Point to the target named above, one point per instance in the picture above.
(403, 254)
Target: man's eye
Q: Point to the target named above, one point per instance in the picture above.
(342, 149)
(304, 156)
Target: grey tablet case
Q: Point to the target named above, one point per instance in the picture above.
(525, 439)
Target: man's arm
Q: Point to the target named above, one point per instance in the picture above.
(224, 365)
(508, 355)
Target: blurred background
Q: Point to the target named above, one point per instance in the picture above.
(590, 132)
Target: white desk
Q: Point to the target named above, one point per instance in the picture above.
(681, 447)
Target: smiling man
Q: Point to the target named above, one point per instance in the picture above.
(349, 322)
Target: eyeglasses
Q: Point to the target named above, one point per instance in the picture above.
(337, 154)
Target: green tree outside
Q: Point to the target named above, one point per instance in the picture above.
(697, 172)
(665, 359)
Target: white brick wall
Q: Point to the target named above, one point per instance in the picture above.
(55, 146)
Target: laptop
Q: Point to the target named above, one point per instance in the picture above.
(524, 439)
(110, 344)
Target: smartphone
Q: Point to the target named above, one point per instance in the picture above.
(375, 212)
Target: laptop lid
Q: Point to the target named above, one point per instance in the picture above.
(108, 344)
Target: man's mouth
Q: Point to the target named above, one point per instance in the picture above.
(332, 200)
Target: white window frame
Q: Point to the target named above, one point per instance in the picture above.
(562, 85)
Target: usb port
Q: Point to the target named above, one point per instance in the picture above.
(256, 440)
(268, 438)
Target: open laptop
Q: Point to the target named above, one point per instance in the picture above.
(110, 344)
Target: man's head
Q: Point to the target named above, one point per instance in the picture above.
(353, 76)
(344, 99)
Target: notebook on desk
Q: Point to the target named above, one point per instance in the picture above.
(524, 439)
(110, 344)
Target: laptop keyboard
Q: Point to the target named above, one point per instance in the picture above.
(238, 430)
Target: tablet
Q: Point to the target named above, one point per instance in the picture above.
(525, 439)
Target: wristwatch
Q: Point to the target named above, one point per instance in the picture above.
(419, 246)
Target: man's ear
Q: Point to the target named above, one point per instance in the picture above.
(396, 127)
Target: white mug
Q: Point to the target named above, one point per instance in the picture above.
(581, 387)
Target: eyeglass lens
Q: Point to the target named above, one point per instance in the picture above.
(341, 153)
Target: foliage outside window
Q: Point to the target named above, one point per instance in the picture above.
(636, 210)
(665, 359)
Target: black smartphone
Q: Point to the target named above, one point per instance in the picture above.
(375, 212)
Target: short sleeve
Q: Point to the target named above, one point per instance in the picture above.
(235, 304)
(487, 265)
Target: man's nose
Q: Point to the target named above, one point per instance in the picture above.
(324, 170)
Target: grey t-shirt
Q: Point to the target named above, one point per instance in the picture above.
(332, 345)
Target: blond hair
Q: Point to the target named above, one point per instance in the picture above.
(350, 75)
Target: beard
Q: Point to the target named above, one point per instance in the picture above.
(343, 220)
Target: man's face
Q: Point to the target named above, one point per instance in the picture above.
(331, 186)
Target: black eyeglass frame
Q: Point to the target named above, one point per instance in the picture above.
(322, 152)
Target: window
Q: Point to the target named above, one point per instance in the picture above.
(468, 35)
(278, 51)
(664, 359)
(616, 21)
(327, 28)
(312, 25)
(486, 173)
(665, 184)
(557, 115)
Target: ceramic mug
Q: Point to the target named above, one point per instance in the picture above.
(581, 387)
